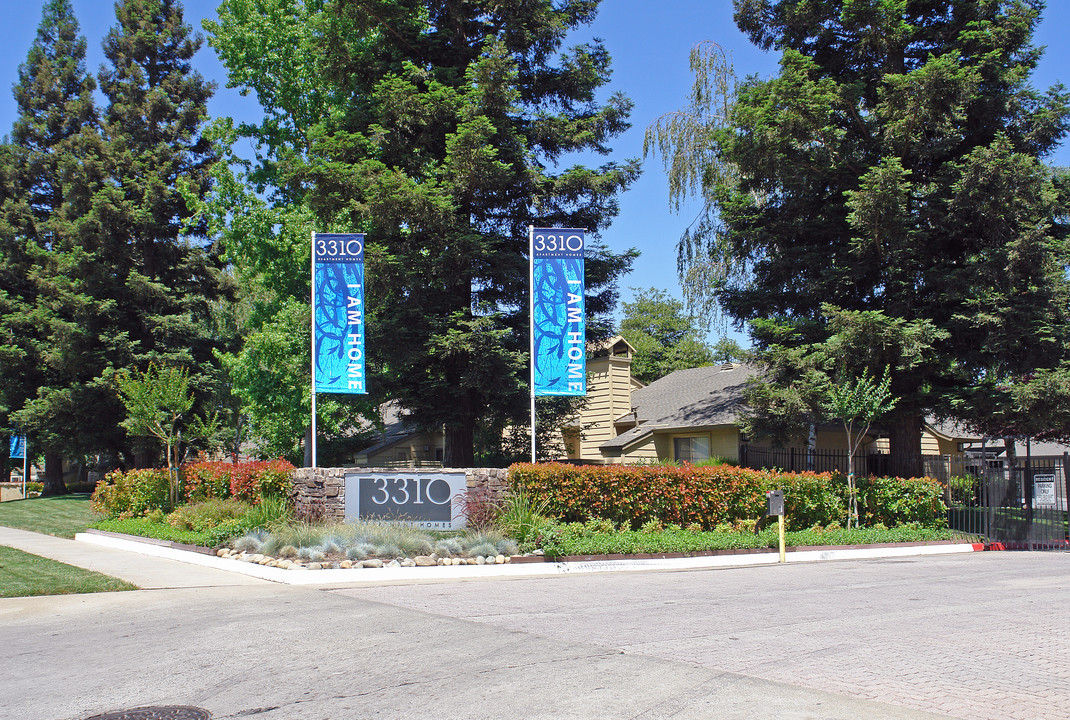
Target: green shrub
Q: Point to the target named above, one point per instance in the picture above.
(34, 489)
(717, 460)
(132, 493)
(207, 515)
(813, 498)
(563, 539)
(895, 501)
(162, 531)
(962, 489)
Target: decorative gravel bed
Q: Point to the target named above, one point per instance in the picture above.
(340, 561)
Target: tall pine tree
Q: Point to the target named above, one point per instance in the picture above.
(444, 128)
(895, 163)
(46, 187)
(158, 280)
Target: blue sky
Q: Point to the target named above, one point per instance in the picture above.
(649, 41)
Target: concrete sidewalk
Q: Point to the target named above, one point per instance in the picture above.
(148, 573)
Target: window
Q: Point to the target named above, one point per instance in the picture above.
(691, 449)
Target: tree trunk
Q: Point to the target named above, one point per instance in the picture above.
(143, 456)
(308, 447)
(1012, 475)
(811, 447)
(54, 484)
(459, 441)
(905, 445)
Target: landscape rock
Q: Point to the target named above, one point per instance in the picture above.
(425, 560)
(499, 559)
(315, 566)
(408, 562)
(481, 560)
(372, 563)
(346, 564)
(393, 564)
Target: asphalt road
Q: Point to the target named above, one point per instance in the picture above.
(983, 635)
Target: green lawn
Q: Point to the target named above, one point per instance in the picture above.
(63, 516)
(23, 575)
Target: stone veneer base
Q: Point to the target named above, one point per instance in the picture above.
(321, 493)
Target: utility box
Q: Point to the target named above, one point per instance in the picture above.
(775, 500)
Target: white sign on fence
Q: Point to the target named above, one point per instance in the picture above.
(1043, 490)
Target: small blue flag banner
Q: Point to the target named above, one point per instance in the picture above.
(338, 316)
(17, 447)
(558, 322)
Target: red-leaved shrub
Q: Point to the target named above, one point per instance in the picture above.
(247, 481)
(709, 495)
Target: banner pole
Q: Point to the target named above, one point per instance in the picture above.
(312, 247)
(25, 461)
(531, 328)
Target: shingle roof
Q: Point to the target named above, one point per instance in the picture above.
(395, 429)
(697, 397)
(951, 428)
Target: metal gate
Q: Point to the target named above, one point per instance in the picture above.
(1021, 504)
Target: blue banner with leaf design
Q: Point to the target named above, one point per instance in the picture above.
(559, 325)
(17, 447)
(338, 338)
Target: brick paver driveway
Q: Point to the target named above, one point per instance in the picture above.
(983, 636)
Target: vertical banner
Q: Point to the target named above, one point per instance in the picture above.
(558, 347)
(338, 313)
(17, 447)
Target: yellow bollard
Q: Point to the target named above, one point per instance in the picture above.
(780, 523)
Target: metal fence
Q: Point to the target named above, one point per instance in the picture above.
(1021, 503)
(801, 459)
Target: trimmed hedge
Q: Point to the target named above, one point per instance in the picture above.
(710, 495)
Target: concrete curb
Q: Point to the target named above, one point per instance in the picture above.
(460, 572)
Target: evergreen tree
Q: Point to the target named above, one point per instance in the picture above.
(158, 282)
(893, 164)
(45, 190)
(442, 121)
